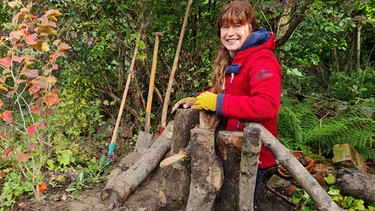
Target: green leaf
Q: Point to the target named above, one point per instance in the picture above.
(66, 157)
(330, 179)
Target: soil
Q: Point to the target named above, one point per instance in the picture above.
(145, 197)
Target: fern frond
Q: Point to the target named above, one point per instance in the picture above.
(356, 131)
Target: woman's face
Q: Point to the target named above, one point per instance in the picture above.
(233, 36)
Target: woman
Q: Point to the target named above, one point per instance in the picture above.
(247, 77)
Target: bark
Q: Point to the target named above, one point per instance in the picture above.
(357, 184)
(299, 172)
(184, 121)
(206, 170)
(176, 181)
(249, 167)
(229, 145)
(121, 185)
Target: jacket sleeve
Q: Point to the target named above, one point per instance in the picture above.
(262, 101)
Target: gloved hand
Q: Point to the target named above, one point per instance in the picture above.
(206, 101)
(185, 102)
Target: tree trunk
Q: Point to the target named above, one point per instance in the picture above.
(356, 183)
(206, 171)
(184, 121)
(299, 172)
(229, 145)
(176, 181)
(249, 167)
(121, 184)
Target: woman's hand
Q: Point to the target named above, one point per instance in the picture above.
(184, 102)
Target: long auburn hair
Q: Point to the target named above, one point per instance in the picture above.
(236, 12)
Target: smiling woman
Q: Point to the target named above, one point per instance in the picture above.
(247, 77)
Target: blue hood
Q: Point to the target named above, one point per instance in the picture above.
(256, 38)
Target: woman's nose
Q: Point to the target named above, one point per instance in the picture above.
(231, 30)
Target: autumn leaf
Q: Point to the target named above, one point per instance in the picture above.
(7, 117)
(12, 4)
(5, 89)
(31, 147)
(6, 62)
(42, 125)
(31, 39)
(45, 47)
(23, 157)
(1, 102)
(51, 14)
(18, 59)
(63, 47)
(9, 152)
(4, 134)
(51, 99)
(30, 73)
(47, 31)
(31, 130)
(42, 188)
(14, 36)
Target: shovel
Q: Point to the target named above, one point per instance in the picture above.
(111, 149)
(145, 137)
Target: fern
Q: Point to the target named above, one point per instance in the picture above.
(356, 131)
(299, 127)
(295, 120)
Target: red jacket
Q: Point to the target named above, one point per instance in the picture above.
(252, 89)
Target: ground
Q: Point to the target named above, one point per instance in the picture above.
(145, 197)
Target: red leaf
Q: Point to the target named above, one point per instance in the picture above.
(42, 188)
(42, 125)
(31, 39)
(51, 99)
(31, 147)
(9, 152)
(37, 108)
(14, 36)
(4, 134)
(23, 157)
(7, 117)
(30, 73)
(6, 62)
(18, 59)
(31, 130)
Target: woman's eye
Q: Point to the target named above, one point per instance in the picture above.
(225, 27)
(238, 25)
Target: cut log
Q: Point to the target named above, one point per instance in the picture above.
(206, 171)
(121, 185)
(184, 121)
(251, 145)
(229, 145)
(355, 183)
(176, 181)
(299, 172)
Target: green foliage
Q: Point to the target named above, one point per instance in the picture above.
(356, 131)
(300, 128)
(96, 172)
(27, 86)
(350, 87)
(296, 119)
(13, 187)
(305, 202)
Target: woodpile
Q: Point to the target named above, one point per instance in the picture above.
(208, 174)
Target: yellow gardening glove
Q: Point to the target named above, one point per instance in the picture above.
(185, 102)
(206, 101)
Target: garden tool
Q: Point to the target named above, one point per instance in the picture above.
(144, 140)
(130, 74)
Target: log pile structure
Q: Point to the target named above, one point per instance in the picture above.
(205, 168)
